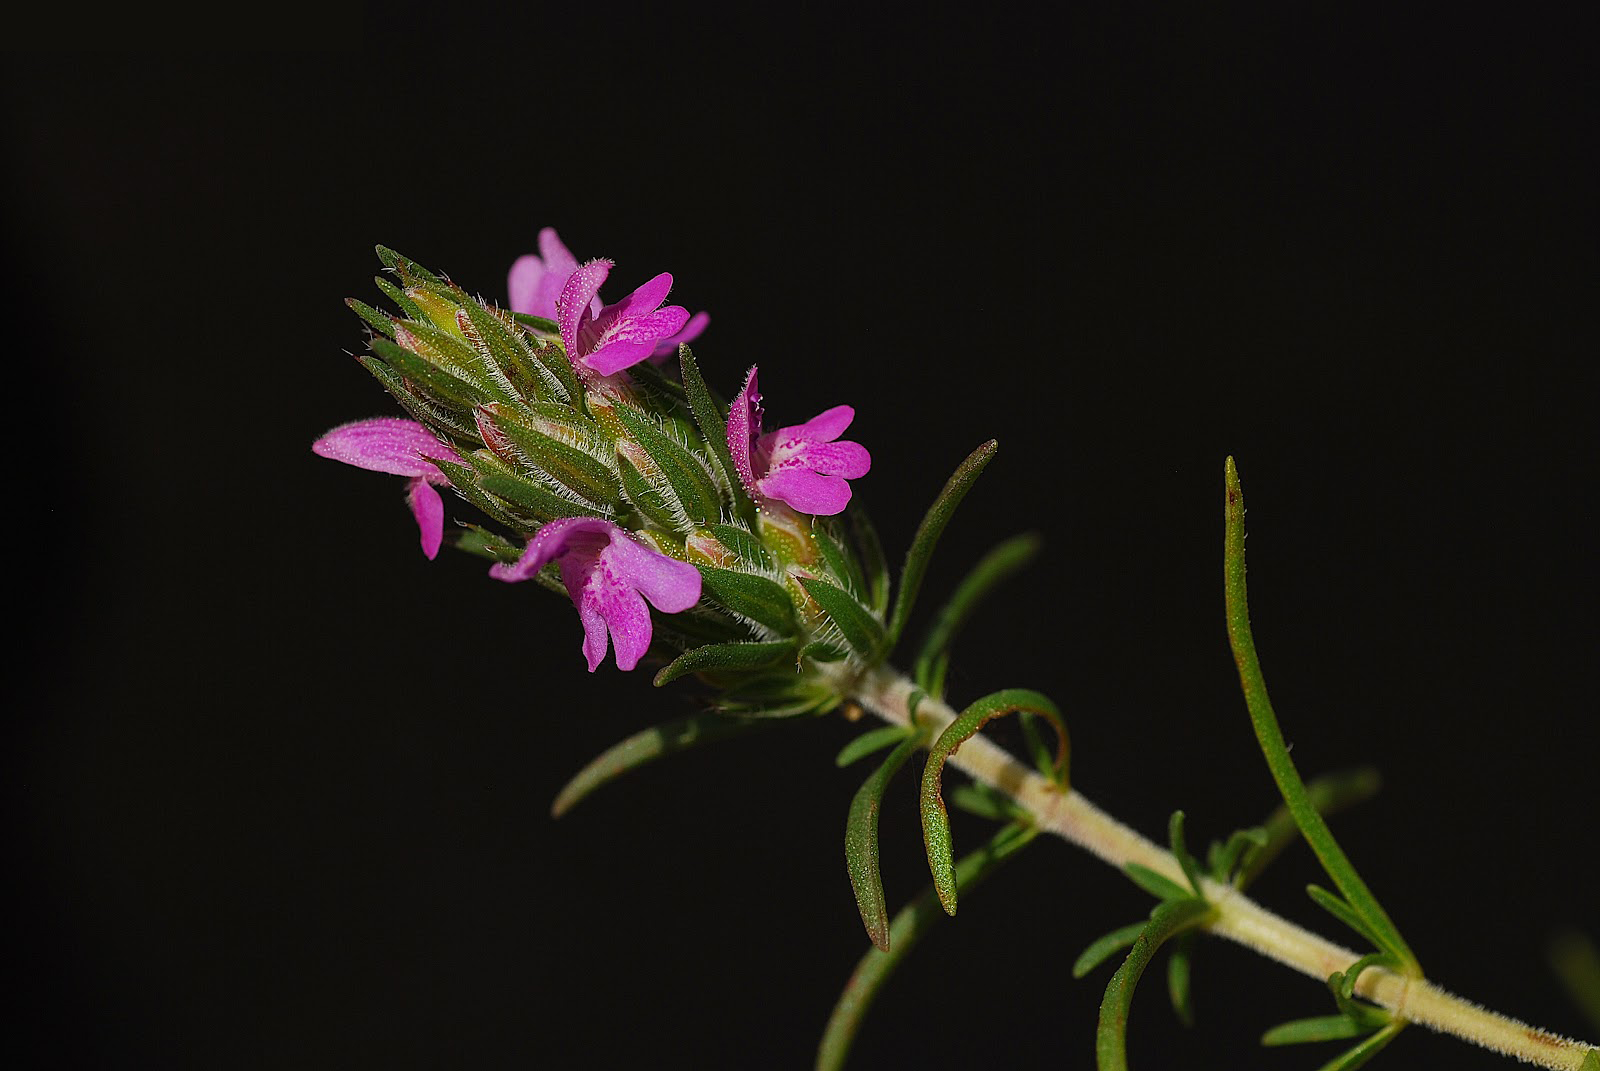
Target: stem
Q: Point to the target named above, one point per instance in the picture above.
(1238, 918)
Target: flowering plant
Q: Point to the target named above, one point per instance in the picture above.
(687, 535)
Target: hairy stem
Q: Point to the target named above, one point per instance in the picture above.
(1237, 917)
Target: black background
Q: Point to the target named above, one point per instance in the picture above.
(278, 787)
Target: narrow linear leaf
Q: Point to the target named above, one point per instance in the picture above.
(1329, 794)
(928, 533)
(935, 820)
(909, 926)
(838, 560)
(1313, 1029)
(1107, 945)
(745, 546)
(713, 425)
(646, 747)
(1178, 971)
(1111, 1035)
(1223, 859)
(1270, 736)
(1158, 885)
(1180, 852)
(858, 627)
(874, 566)
(994, 568)
(868, 743)
(1343, 985)
(538, 323)
(1576, 961)
(1591, 1061)
(983, 801)
(1365, 1050)
(1342, 911)
(374, 319)
(736, 656)
(412, 310)
(682, 468)
(861, 843)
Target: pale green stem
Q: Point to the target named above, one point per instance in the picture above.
(1237, 918)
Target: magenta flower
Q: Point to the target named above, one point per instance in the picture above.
(618, 336)
(535, 283)
(609, 575)
(801, 465)
(390, 444)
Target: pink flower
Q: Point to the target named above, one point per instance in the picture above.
(609, 575)
(621, 335)
(801, 465)
(390, 444)
(536, 282)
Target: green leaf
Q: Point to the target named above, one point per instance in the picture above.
(684, 470)
(1343, 912)
(538, 323)
(464, 478)
(1180, 852)
(1313, 1029)
(875, 568)
(1166, 921)
(1591, 1061)
(507, 347)
(448, 386)
(820, 651)
(654, 502)
(985, 802)
(928, 533)
(868, 743)
(1105, 946)
(860, 630)
(909, 926)
(1223, 860)
(478, 540)
(378, 321)
(410, 308)
(1328, 794)
(410, 271)
(712, 421)
(1158, 885)
(1576, 961)
(1002, 562)
(1178, 969)
(575, 469)
(1270, 737)
(537, 499)
(646, 747)
(861, 842)
(726, 656)
(935, 821)
(1343, 985)
(838, 560)
(431, 413)
(746, 547)
(452, 354)
(1365, 1050)
(754, 597)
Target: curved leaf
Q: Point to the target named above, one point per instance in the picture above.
(712, 421)
(1111, 1036)
(1270, 736)
(1313, 1029)
(646, 747)
(935, 820)
(868, 743)
(861, 842)
(755, 597)
(910, 924)
(929, 531)
(994, 568)
(1105, 946)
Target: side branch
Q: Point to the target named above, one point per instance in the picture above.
(1238, 918)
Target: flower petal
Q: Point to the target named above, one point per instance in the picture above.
(586, 536)
(847, 459)
(428, 508)
(671, 586)
(825, 427)
(574, 301)
(806, 491)
(647, 298)
(744, 424)
(385, 444)
(594, 629)
(691, 331)
(611, 358)
(558, 260)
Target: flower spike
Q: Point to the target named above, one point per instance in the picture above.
(801, 465)
(400, 447)
(609, 575)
